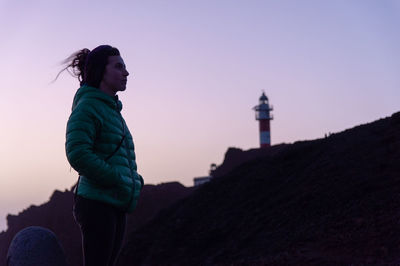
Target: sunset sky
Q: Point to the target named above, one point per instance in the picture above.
(197, 69)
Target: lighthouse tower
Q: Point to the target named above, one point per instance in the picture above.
(263, 116)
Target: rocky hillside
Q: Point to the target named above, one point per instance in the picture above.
(331, 201)
(56, 215)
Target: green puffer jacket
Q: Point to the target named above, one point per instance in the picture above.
(94, 131)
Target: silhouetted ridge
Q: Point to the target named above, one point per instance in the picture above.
(331, 201)
(235, 157)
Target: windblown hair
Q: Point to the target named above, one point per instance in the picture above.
(88, 66)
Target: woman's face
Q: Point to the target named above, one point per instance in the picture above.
(115, 75)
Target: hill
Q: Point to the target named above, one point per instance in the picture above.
(330, 201)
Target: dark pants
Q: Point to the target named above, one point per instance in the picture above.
(103, 228)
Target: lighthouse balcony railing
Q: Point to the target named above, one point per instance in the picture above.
(263, 107)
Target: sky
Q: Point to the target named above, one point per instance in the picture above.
(197, 68)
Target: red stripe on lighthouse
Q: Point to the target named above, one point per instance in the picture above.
(264, 125)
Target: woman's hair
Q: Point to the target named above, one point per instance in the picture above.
(88, 66)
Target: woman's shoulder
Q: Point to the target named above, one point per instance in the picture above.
(94, 98)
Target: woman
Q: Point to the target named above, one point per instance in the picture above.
(100, 148)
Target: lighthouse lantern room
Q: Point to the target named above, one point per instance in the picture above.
(263, 116)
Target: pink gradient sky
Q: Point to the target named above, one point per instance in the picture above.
(197, 68)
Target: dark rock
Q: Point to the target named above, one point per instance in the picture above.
(35, 246)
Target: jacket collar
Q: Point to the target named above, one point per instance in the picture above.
(88, 92)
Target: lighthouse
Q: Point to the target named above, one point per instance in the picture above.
(263, 116)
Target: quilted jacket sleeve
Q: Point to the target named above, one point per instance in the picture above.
(80, 137)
